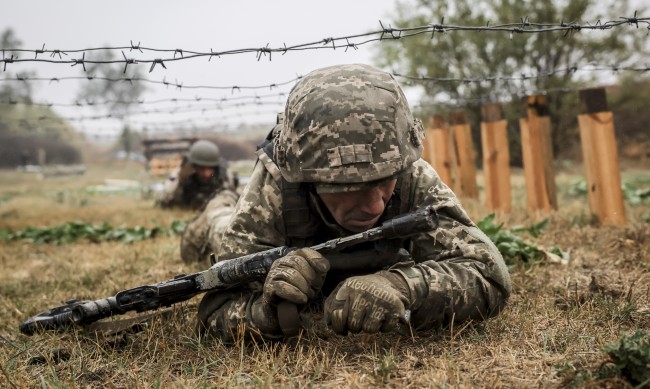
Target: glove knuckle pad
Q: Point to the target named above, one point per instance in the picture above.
(289, 292)
(313, 258)
(371, 302)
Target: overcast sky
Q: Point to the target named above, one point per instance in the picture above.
(191, 25)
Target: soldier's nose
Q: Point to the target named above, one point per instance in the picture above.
(373, 202)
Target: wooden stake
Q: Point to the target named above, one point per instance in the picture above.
(496, 158)
(437, 142)
(600, 157)
(466, 162)
(537, 150)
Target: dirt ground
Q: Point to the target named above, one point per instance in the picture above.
(552, 334)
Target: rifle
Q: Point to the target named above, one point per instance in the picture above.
(226, 274)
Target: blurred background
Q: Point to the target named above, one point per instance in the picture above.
(154, 77)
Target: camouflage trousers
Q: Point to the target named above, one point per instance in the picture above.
(202, 235)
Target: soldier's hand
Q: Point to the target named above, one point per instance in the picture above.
(297, 277)
(371, 303)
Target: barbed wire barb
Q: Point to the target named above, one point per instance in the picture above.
(438, 27)
(57, 52)
(212, 54)
(632, 20)
(381, 37)
(80, 61)
(127, 62)
(348, 45)
(41, 51)
(264, 50)
(135, 47)
(156, 61)
(6, 60)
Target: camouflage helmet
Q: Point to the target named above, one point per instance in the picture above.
(345, 127)
(204, 153)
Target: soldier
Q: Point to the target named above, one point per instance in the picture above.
(202, 184)
(345, 158)
(201, 176)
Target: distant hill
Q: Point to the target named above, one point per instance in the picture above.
(32, 134)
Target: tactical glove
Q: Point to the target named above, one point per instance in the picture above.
(297, 277)
(370, 303)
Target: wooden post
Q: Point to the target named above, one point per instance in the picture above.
(437, 141)
(537, 150)
(600, 157)
(466, 157)
(496, 158)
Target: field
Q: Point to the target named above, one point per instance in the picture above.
(552, 334)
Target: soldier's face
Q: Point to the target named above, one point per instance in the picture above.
(360, 210)
(204, 173)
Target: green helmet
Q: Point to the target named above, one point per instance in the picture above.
(345, 126)
(204, 153)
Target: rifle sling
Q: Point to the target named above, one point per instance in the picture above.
(135, 324)
(129, 325)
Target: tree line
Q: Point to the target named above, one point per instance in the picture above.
(475, 54)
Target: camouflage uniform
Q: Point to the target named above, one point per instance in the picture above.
(202, 235)
(464, 274)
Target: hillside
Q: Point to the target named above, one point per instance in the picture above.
(32, 134)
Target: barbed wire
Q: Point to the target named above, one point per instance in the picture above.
(176, 84)
(171, 111)
(271, 114)
(257, 99)
(244, 100)
(524, 26)
(613, 68)
(524, 76)
(451, 102)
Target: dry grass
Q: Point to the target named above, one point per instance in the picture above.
(551, 334)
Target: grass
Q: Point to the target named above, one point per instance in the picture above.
(552, 334)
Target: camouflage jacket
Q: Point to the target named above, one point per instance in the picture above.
(465, 274)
